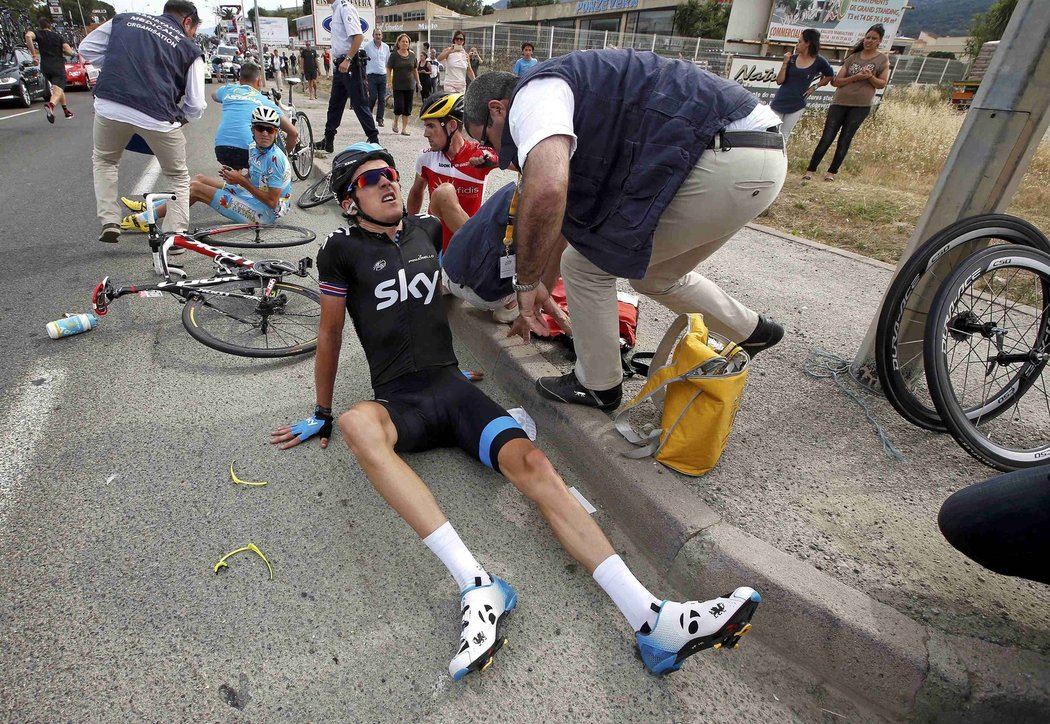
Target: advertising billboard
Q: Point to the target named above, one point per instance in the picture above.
(323, 18)
(273, 31)
(840, 22)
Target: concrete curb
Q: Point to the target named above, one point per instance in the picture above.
(901, 668)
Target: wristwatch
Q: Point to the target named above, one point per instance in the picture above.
(524, 287)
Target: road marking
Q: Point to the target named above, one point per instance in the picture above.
(28, 416)
(16, 115)
(148, 179)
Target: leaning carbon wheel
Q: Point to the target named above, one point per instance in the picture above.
(899, 341)
(317, 194)
(255, 236)
(987, 345)
(303, 155)
(238, 318)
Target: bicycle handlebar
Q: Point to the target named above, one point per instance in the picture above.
(151, 216)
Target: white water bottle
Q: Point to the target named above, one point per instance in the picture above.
(71, 324)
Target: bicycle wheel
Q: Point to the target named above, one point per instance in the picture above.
(987, 345)
(255, 236)
(899, 343)
(235, 318)
(317, 194)
(303, 155)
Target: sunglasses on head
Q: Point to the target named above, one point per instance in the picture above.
(374, 176)
(263, 128)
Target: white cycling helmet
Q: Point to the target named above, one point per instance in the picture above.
(267, 115)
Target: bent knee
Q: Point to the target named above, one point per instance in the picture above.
(362, 427)
(655, 287)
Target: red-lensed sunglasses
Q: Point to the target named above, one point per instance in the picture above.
(374, 175)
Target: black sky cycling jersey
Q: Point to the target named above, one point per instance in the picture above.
(393, 295)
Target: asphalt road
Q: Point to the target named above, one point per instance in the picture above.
(115, 502)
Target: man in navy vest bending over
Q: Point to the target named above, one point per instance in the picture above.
(647, 166)
(152, 83)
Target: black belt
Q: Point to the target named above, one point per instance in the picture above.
(726, 140)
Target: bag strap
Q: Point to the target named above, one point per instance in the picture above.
(663, 351)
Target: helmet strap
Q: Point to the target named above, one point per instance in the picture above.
(448, 136)
(371, 219)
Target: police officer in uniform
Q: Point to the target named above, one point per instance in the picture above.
(152, 83)
(348, 77)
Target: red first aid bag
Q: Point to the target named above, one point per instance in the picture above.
(627, 309)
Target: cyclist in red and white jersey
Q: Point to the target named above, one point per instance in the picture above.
(452, 159)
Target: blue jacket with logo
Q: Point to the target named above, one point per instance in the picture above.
(641, 123)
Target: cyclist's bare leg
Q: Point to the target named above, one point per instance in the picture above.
(444, 204)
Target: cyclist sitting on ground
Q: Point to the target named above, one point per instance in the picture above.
(261, 197)
(423, 402)
(452, 159)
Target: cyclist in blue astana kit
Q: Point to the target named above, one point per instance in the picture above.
(261, 197)
(238, 101)
(383, 271)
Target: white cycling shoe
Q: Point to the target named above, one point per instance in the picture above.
(682, 629)
(484, 608)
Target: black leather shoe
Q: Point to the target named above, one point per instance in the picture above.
(110, 234)
(568, 389)
(325, 144)
(766, 334)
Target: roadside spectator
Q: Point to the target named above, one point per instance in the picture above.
(309, 56)
(796, 77)
(713, 162)
(293, 62)
(475, 62)
(526, 61)
(403, 78)
(864, 71)
(457, 65)
(152, 83)
(378, 54)
(327, 61)
(425, 81)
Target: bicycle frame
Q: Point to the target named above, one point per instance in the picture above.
(160, 244)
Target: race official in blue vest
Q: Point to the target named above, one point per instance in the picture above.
(647, 166)
(152, 83)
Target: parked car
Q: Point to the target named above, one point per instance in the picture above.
(226, 62)
(20, 79)
(80, 73)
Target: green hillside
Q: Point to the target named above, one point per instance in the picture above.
(942, 17)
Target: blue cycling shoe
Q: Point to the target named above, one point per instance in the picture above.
(484, 610)
(682, 629)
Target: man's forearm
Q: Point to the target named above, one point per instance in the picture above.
(326, 364)
(541, 208)
(552, 269)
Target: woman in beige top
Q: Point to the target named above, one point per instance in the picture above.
(863, 71)
(457, 65)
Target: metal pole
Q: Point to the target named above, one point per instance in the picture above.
(696, 53)
(653, 49)
(918, 76)
(81, 9)
(605, 41)
(947, 62)
(493, 54)
(550, 50)
(258, 40)
(1007, 120)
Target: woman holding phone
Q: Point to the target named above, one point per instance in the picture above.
(457, 65)
(795, 79)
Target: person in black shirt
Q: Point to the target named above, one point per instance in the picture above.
(47, 48)
(383, 270)
(309, 56)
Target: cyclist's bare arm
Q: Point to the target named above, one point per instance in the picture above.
(415, 194)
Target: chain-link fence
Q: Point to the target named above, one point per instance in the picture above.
(499, 44)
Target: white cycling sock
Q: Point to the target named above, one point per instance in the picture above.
(446, 544)
(630, 596)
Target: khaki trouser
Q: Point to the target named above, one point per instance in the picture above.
(170, 149)
(725, 190)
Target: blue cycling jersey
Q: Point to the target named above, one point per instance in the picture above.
(270, 169)
(238, 102)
